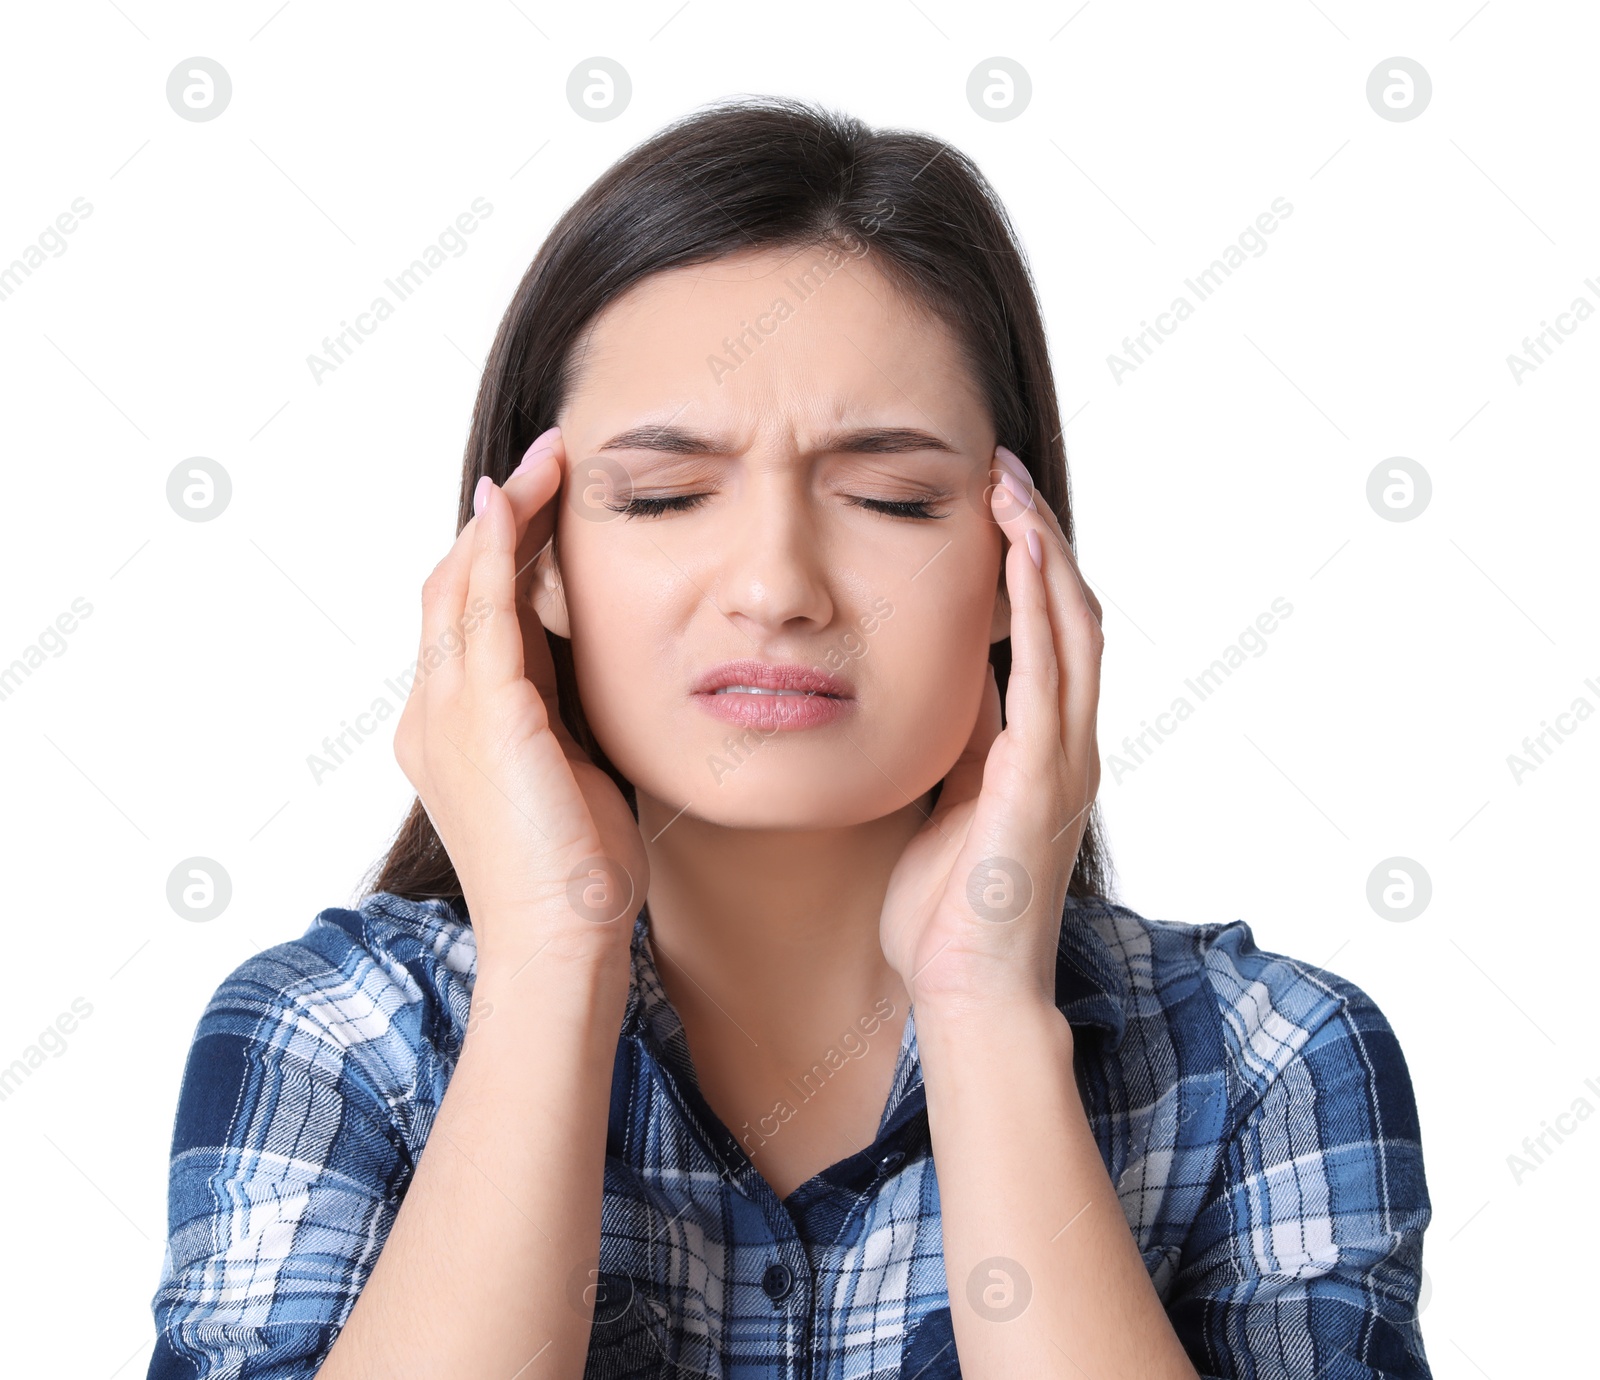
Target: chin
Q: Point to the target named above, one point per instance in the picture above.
(757, 793)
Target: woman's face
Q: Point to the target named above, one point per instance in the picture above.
(774, 392)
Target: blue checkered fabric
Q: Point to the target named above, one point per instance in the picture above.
(1254, 1112)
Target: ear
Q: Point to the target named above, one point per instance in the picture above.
(549, 594)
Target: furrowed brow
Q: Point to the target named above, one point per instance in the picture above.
(894, 440)
(674, 440)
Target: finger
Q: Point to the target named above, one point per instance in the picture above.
(1033, 691)
(530, 487)
(441, 665)
(439, 670)
(494, 635)
(1089, 596)
(1052, 528)
(534, 489)
(1076, 628)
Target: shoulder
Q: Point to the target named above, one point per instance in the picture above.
(316, 1070)
(1208, 999)
(1225, 1072)
(374, 999)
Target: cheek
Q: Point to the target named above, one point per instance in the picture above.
(928, 673)
(607, 610)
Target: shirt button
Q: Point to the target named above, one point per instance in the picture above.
(892, 1160)
(777, 1281)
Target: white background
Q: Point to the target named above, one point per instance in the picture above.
(1229, 470)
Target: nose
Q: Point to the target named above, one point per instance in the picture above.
(768, 567)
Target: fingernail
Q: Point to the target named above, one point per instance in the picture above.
(1034, 549)
(1010, 462)
(538, 451)
(1018, 489)
(478, 494)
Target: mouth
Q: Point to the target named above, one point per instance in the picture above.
(757, 690)
(772, 697)
(771, 679)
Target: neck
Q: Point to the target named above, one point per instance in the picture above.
(772, 932)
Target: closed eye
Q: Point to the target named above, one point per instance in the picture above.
(905, 508)
(682, 503)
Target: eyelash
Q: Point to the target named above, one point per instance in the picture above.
(912, 509)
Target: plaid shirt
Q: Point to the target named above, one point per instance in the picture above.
(1255, 1114)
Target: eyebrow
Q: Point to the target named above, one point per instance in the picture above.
(675, 440)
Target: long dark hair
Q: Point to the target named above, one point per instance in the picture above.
(756, 173)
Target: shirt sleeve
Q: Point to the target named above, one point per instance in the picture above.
(287, 1169)
(1307, 1259)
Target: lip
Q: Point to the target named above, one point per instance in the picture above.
(821, 698)
(763, 675)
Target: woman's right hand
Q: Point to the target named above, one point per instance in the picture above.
(546, 851)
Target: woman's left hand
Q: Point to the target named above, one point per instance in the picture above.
(972, 915)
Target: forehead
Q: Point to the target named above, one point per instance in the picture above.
(791, 329)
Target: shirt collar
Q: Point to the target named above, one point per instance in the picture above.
(648, 1010)
(1091, 979)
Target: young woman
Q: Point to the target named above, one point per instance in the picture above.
(742, 996)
